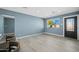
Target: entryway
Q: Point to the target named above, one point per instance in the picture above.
(70, 27)
(9, 25)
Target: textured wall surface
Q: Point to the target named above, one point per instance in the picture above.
(24, 24)
(58, 31)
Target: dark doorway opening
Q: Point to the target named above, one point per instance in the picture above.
(70, 27)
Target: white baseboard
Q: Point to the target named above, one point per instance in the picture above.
(38, 34)
(54, 34)
(28, 35)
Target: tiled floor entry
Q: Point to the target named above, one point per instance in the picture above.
(48, 43)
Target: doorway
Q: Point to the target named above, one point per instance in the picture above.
(70, 27)
(9, 25)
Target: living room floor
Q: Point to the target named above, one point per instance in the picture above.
(48, 43)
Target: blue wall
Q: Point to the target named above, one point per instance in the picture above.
(24, 24)
(58, 31)
(27, 24)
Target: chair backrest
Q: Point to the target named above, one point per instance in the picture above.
(10, 36)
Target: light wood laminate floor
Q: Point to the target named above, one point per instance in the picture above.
(48, 43)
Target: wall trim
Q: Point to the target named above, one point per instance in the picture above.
(53, 34)
(28, 35)
(8, 16)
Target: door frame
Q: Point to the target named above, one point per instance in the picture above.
(7, 16)
(64, 24)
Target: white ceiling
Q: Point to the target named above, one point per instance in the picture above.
(43, 12)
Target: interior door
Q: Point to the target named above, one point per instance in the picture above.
(9, 25)
(71, 27)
